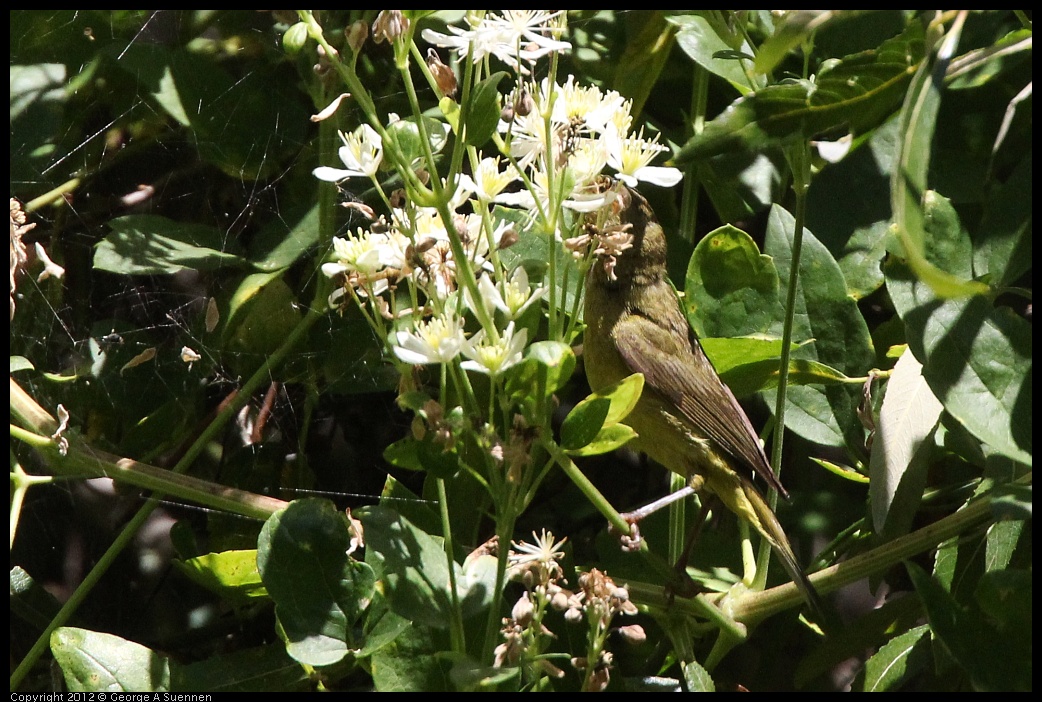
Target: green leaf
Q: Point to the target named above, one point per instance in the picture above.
(825, 313)
(319, 590)
(1001, 543)
(910, 198)
(231, 574)
(855, 94)
(546, 367)
(731, 288)
(410, 663)
(697, 678)
(406, 134)
(604, 408)
(1004, 254)
(262, 312)
(583, 422)
(898, 463)
(154, 245)
(278, 246)
(483, 113)
(92, 661)
(261, 669)
(977, 360)
(976, 638)
(644, 58)
(898, 661)
(705, 41)
(855, 229)
(750, 378)
(607, 440)
(413, 567)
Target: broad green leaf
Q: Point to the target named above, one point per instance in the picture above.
(704, 42)
(546, 367)
(410, 663)
(231, 574)
(1003, 249)
(825, 313)
(975, 636)
(607, 440)
(319, 590)
(855, 94)
(482, 114)
(583, 422)
(976, 359)
(731, 288)
(260, 669)
(406, 134)
(898, 465)
(602, 409)
(261, 314)
(93, 661)
(730, 353)
(38, 96)
(898, 661)
(155, 245)
(848, 208)
(413, 567)
(750, 378)
(278, 245)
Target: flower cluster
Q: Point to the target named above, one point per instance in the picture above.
(597, 602)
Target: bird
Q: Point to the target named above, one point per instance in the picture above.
(686, 419)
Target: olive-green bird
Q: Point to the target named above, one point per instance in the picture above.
(686, 418)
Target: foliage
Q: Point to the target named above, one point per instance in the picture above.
(242, 305)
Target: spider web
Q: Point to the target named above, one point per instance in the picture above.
(143, 358)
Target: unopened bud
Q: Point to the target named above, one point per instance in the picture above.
(522, 611)
(633, 634)
(356, 35)
(509, 238)
(389, 25)
(295, 38)
(523, 103)
(443, 75)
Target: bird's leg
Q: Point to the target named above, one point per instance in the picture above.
(631, 541)
(687, 587)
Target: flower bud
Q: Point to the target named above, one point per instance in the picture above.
(356, 35)
(295, 38)
(443, 75)
(389, 25)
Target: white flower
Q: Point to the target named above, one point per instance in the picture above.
(586, 105)
(630, 158)
(488, 182)
(362, 255)
(514, 35)
(512, 297)
(517, 295)
(435, 341)
(361, 153)
(493, 357)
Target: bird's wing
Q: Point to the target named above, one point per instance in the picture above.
(685, 376)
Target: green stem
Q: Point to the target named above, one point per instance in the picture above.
(456, 624)
(799, 164)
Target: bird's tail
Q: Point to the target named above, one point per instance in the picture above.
(767, 524)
